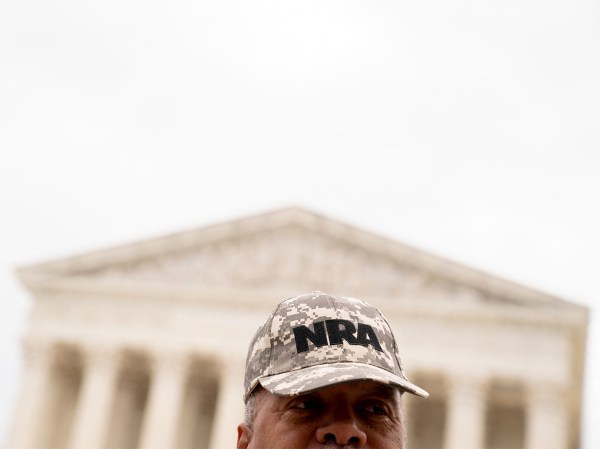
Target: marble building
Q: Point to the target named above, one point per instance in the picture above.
(142, 346)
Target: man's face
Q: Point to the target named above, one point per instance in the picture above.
(362, 414)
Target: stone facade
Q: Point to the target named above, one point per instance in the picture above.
(142, 346)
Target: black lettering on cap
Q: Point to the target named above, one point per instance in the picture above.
(339, 330)
(366, 336)
(302, 334)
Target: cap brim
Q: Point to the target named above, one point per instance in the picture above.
(308, 379)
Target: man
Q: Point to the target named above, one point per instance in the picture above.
(324, 372)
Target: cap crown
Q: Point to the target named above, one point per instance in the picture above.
(318, 329)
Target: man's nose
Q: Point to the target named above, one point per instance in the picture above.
(342, 431)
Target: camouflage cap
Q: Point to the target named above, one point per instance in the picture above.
(315, 340)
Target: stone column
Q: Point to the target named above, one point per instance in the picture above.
(547, 418)
(95, 399)
(229, 411)
(28, 418)
(159, 429)
(465, 416)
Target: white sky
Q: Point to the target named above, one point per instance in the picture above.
(468, 129)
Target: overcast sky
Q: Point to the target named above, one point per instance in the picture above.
(468, 129)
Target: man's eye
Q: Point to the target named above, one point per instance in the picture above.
(308, 404)
(377, 409)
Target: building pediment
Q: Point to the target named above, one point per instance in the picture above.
(287, 250)
(291, 257)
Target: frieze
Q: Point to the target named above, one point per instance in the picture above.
(291, 258)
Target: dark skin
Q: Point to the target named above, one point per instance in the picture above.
(363, 414)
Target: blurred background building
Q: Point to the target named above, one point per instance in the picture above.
(143, 346)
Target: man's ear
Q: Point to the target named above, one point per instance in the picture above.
(245, 434)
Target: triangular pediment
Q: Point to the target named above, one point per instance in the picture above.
(286, 250)
(291, 257)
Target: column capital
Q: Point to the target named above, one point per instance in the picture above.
(463, 387)
(38, 351)
(169, 361)
(545, 391)
(233, 366)
(98, 356)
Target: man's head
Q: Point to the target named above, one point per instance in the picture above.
(324, 370)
